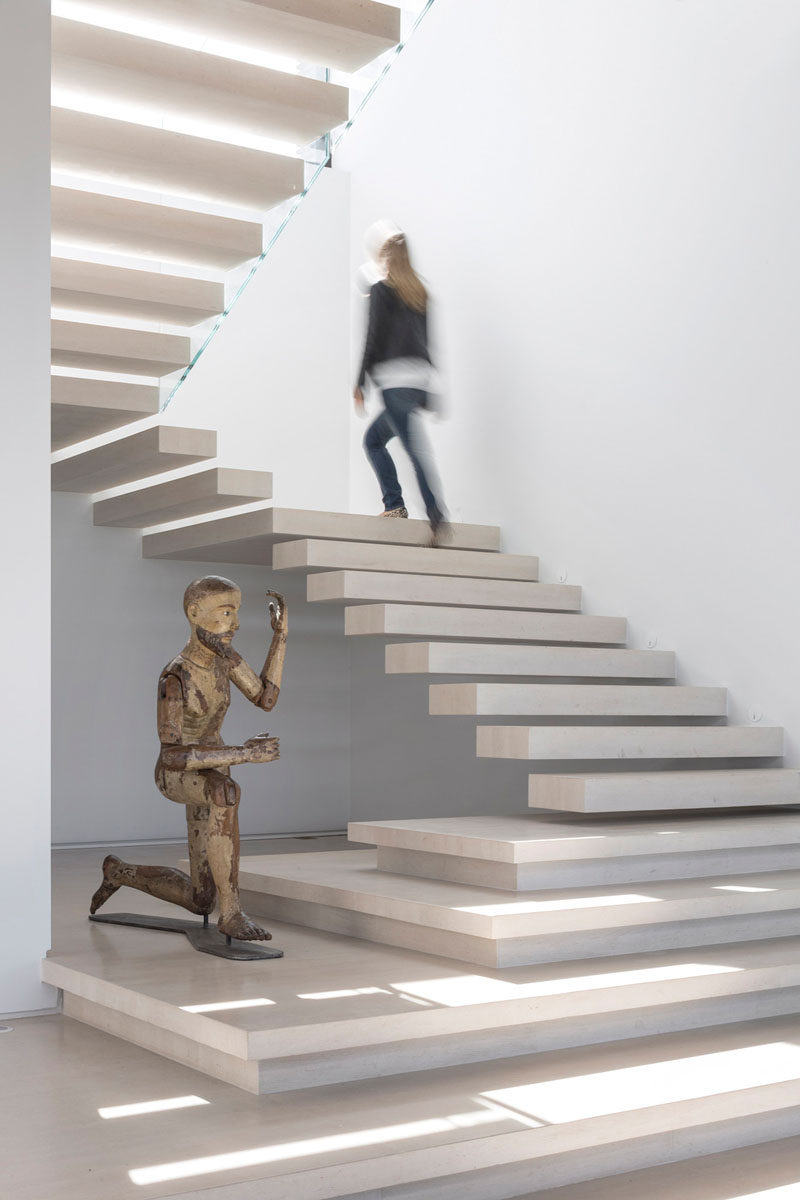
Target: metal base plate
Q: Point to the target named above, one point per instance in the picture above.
(204, 939)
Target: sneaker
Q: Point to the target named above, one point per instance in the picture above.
(395, 512)
(441, 533)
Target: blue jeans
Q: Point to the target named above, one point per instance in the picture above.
(401, 404)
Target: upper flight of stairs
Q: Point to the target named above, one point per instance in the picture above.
(168, 159)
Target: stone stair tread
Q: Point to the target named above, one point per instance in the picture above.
(310, 554)
(163, 160)
(631, 742)
(187, 496)
(83, 408)
(346, 35)
(250, 537)
(332, 1002)
(349, 586)
(576, 700)
(551, 837)
(417, 620)
(91, 346)
(741, 787)
(350, 880)
(204, 87)
(133, 456)
(493, 658)
(158, 232)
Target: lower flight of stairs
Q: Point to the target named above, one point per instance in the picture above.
(592, 990)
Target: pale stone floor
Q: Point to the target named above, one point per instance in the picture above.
(57, 1073)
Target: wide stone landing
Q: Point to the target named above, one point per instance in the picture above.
(345, 892)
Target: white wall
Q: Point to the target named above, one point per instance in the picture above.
(274, 383)
(604, 199)
(117, 620)
(274, 380)
(24, 488)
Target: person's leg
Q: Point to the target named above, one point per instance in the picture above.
(379, 433)
(402, 406)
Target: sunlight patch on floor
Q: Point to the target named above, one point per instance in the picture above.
(515, 907)
(460, 990)
(150, 1106)
(225, 1005)
(359, 1139)
(629, 1089)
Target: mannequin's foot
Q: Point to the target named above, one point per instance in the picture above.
(238, 925)
(107, 888)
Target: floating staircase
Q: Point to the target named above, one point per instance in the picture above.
(627, 948)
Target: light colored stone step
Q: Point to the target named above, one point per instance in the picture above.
(345, 587)
(78, 286)
(162, 232)
(575, 700)
(344, 892)
(83, 408)
(149, 452)
(542, 851)
(93, 347)
(320, 555)
(335, 33)
(250, 537)
(189, 496)
(628, 742)
(204, 87)
(657, 790)
(363, 1012)
(397, 620)
(567, 662)
(161, 160)
(770, 1171)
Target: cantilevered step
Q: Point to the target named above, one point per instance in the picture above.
(83, 408)
(628, 741)
(112, 348)
(250, 537)
(155, 296)
(543, 851)
(217, 488)
(162, 160)
(189, 84)
(148, 452)
(567, 662)
(344, 892)
(311, 555)
(659, 790)
(363, 1012)
(346, 34)
(395, 620)
(345, 587)
(157, 231)
(575, 700)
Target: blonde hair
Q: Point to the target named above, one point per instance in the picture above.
(400, 274)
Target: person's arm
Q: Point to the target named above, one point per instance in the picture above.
(374, 335)
(177, 757)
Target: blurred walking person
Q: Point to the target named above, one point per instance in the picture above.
(397, 360)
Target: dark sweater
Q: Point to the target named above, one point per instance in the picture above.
(394, 330)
